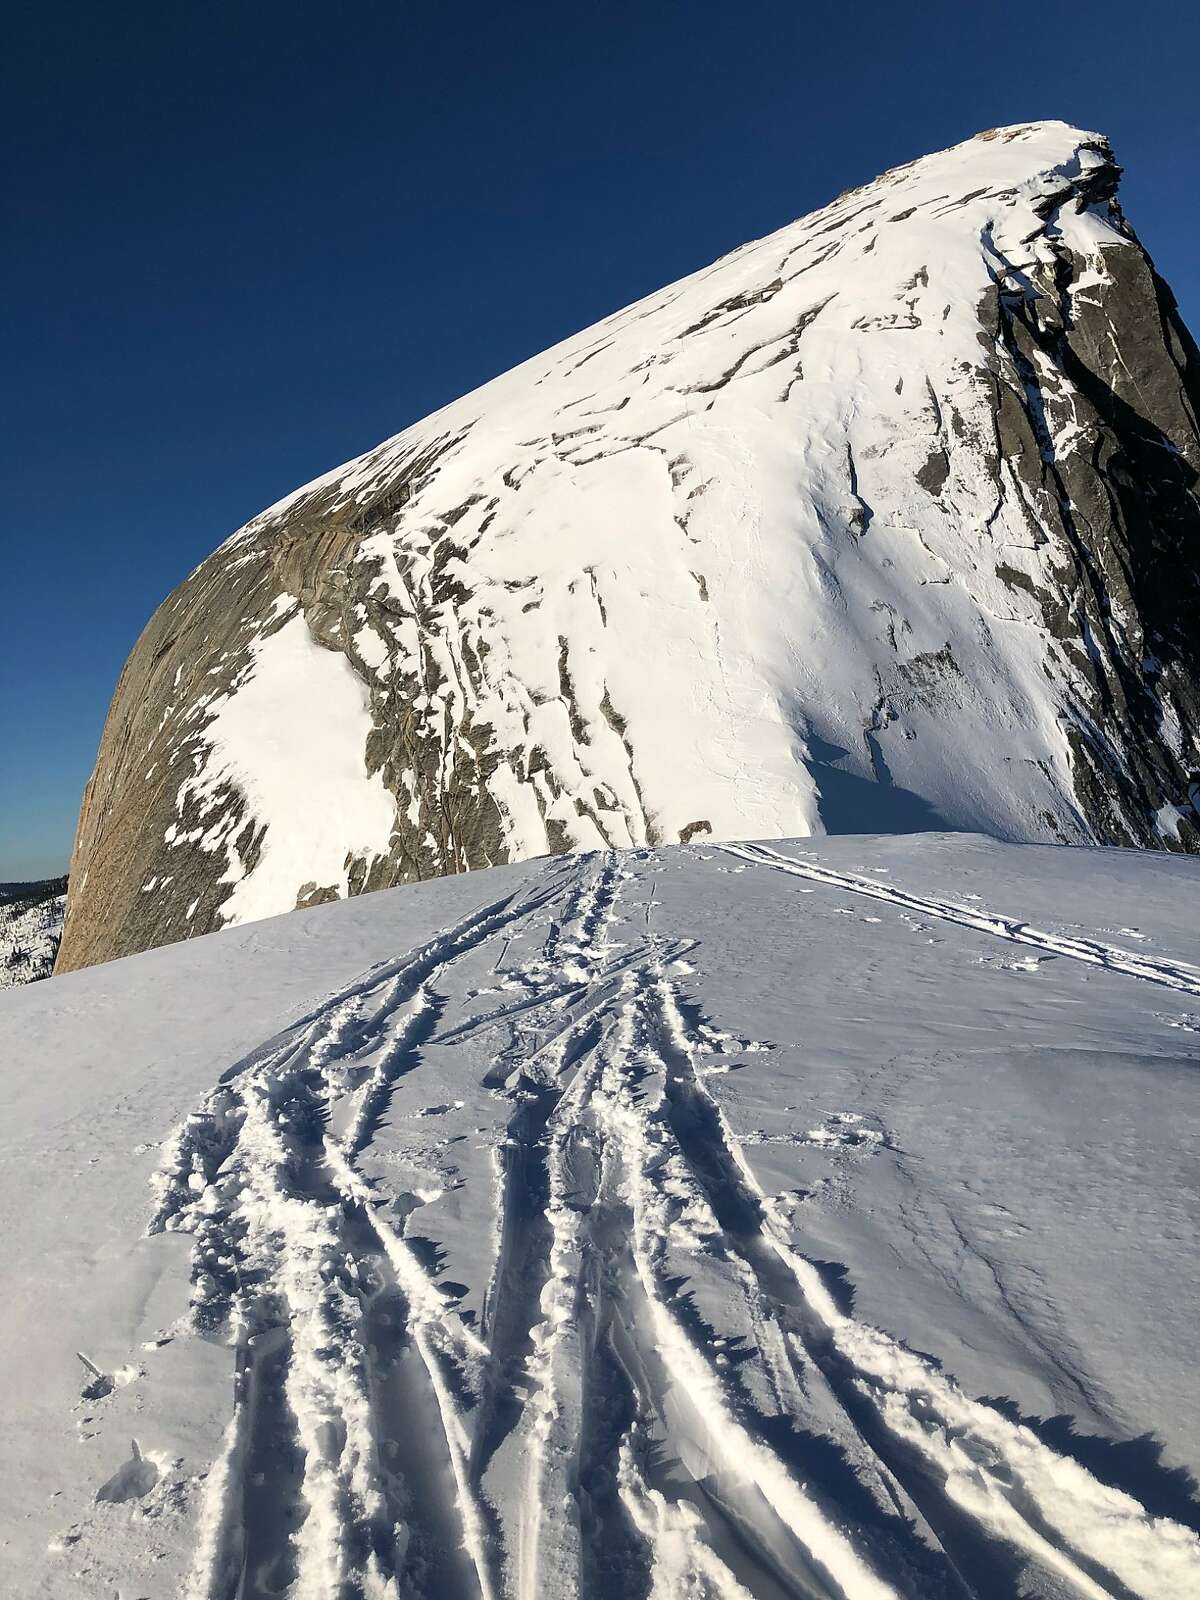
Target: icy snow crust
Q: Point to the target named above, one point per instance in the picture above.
(704, 578)
(775, 1220)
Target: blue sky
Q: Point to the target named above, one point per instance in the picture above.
(248, 241)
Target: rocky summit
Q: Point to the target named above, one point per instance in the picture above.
(887, 522)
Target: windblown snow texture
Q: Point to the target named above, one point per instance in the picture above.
(742, 1222)
(885, 522)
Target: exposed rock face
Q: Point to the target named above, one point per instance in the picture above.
(887, 521)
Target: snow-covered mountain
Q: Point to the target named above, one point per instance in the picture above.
(31, 922)
(802, 1221)
(887, 521)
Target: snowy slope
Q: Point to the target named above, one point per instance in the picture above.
(884, 522)
(780, 1220)
(31, 921)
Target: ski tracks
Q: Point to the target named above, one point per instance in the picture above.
(294, 1250)
(661, 1397)
(1176, 975)
(289, 1239)
(959, 1467)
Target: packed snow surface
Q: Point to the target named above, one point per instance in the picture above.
(812, 1219)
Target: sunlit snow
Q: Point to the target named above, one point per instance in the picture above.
(743, 560)
(781, 1219)
(300, 709)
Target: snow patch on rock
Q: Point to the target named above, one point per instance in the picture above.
(292, 739)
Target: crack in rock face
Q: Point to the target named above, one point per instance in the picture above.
(888, 521)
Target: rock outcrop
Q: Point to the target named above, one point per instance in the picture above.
(888, 521)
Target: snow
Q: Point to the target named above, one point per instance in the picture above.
(698, 586)
(788, 1218)
(31, 922)
(804, 1211)
(296, 700)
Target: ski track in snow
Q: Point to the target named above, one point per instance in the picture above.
(1170, 974)
(594, 1431)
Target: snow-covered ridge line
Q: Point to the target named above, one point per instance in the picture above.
(885, 521)
(626, 1407)
(1076, 151)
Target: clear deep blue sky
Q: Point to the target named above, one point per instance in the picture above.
(247, 241)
